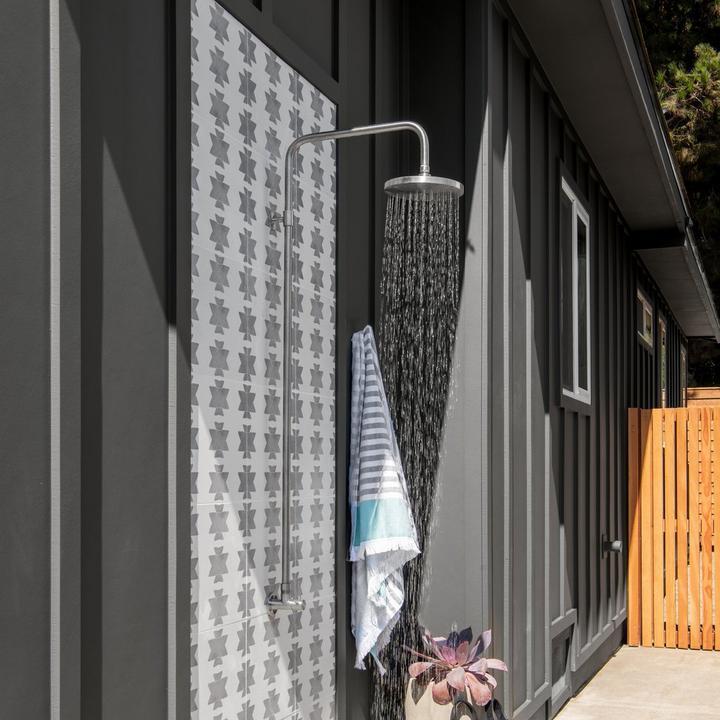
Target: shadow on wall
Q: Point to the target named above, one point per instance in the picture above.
(125, 316)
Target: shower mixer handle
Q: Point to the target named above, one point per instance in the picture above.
(286, 600)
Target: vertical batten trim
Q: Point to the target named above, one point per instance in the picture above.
(485, 325)
(529, 328)
(529, 624)
(55, 459)
(484, 179)
(177, 13)
(548, 423)
(172, 525)
(507, 464)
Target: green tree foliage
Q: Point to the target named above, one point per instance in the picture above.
(674, 28)
(682, 38)
(691, 102)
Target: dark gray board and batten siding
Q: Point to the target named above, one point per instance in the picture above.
(24, 383)
(555, 473)
(581, 451)
(546, 468)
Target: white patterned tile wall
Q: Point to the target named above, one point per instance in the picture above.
(247, 106)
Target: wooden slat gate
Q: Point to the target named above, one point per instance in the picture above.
(674, 528)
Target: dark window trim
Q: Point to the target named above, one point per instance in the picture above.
(647, 297)
(662, 322)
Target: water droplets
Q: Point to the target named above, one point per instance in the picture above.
(419, 295)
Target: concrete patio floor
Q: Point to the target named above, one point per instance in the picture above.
(651, 684)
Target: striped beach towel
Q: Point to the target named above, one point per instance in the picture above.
(383, 531)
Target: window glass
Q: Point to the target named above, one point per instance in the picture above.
(582, 293)
(566, 252)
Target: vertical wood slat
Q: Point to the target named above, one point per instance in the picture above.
(633, 576)
(674, 527)
(646, 529)
(706, 532)
(716, 523)
(681, 450)
(657, 531)
(670, 528)
(694, 526)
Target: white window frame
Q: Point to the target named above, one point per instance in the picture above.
(579, 211)
(648, 342)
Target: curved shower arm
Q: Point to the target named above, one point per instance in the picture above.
(285, 598)
(360, 131)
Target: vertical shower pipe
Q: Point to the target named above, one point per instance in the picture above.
(286, 599)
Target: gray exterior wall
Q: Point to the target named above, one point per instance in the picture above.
(25, 360)
(531, 483)
(95, 549)
(40, 360)
(127, 321)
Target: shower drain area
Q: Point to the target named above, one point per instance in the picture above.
(247, 106)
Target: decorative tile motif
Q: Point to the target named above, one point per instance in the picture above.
(247, 106)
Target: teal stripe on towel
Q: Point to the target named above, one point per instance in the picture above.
(371, 523)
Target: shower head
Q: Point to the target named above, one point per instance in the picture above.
(425, 183)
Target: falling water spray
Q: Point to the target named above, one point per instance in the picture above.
(420, 298)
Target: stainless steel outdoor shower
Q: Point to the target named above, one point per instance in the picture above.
(422, 184)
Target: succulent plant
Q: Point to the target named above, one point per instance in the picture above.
(455, 666)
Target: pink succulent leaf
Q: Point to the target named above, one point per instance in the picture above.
(417, 653)
(495, 664)
(482, 644)
(462, 652)
(486, 678)
(489, 679)
(419, 668)
(447, 653)
(480, 693)
(439, 645)
(479, 666)
(456, 679)
(441, 693)
(457, 661)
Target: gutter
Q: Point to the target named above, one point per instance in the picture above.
(624, 24)
(698, 274)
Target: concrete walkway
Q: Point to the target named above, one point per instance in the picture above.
(651, 684)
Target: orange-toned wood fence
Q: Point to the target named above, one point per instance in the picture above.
(703, 396)
(674, 527)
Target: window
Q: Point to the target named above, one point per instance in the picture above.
(662, 336)
(575, 289)
(683, 376)
(645, 320)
